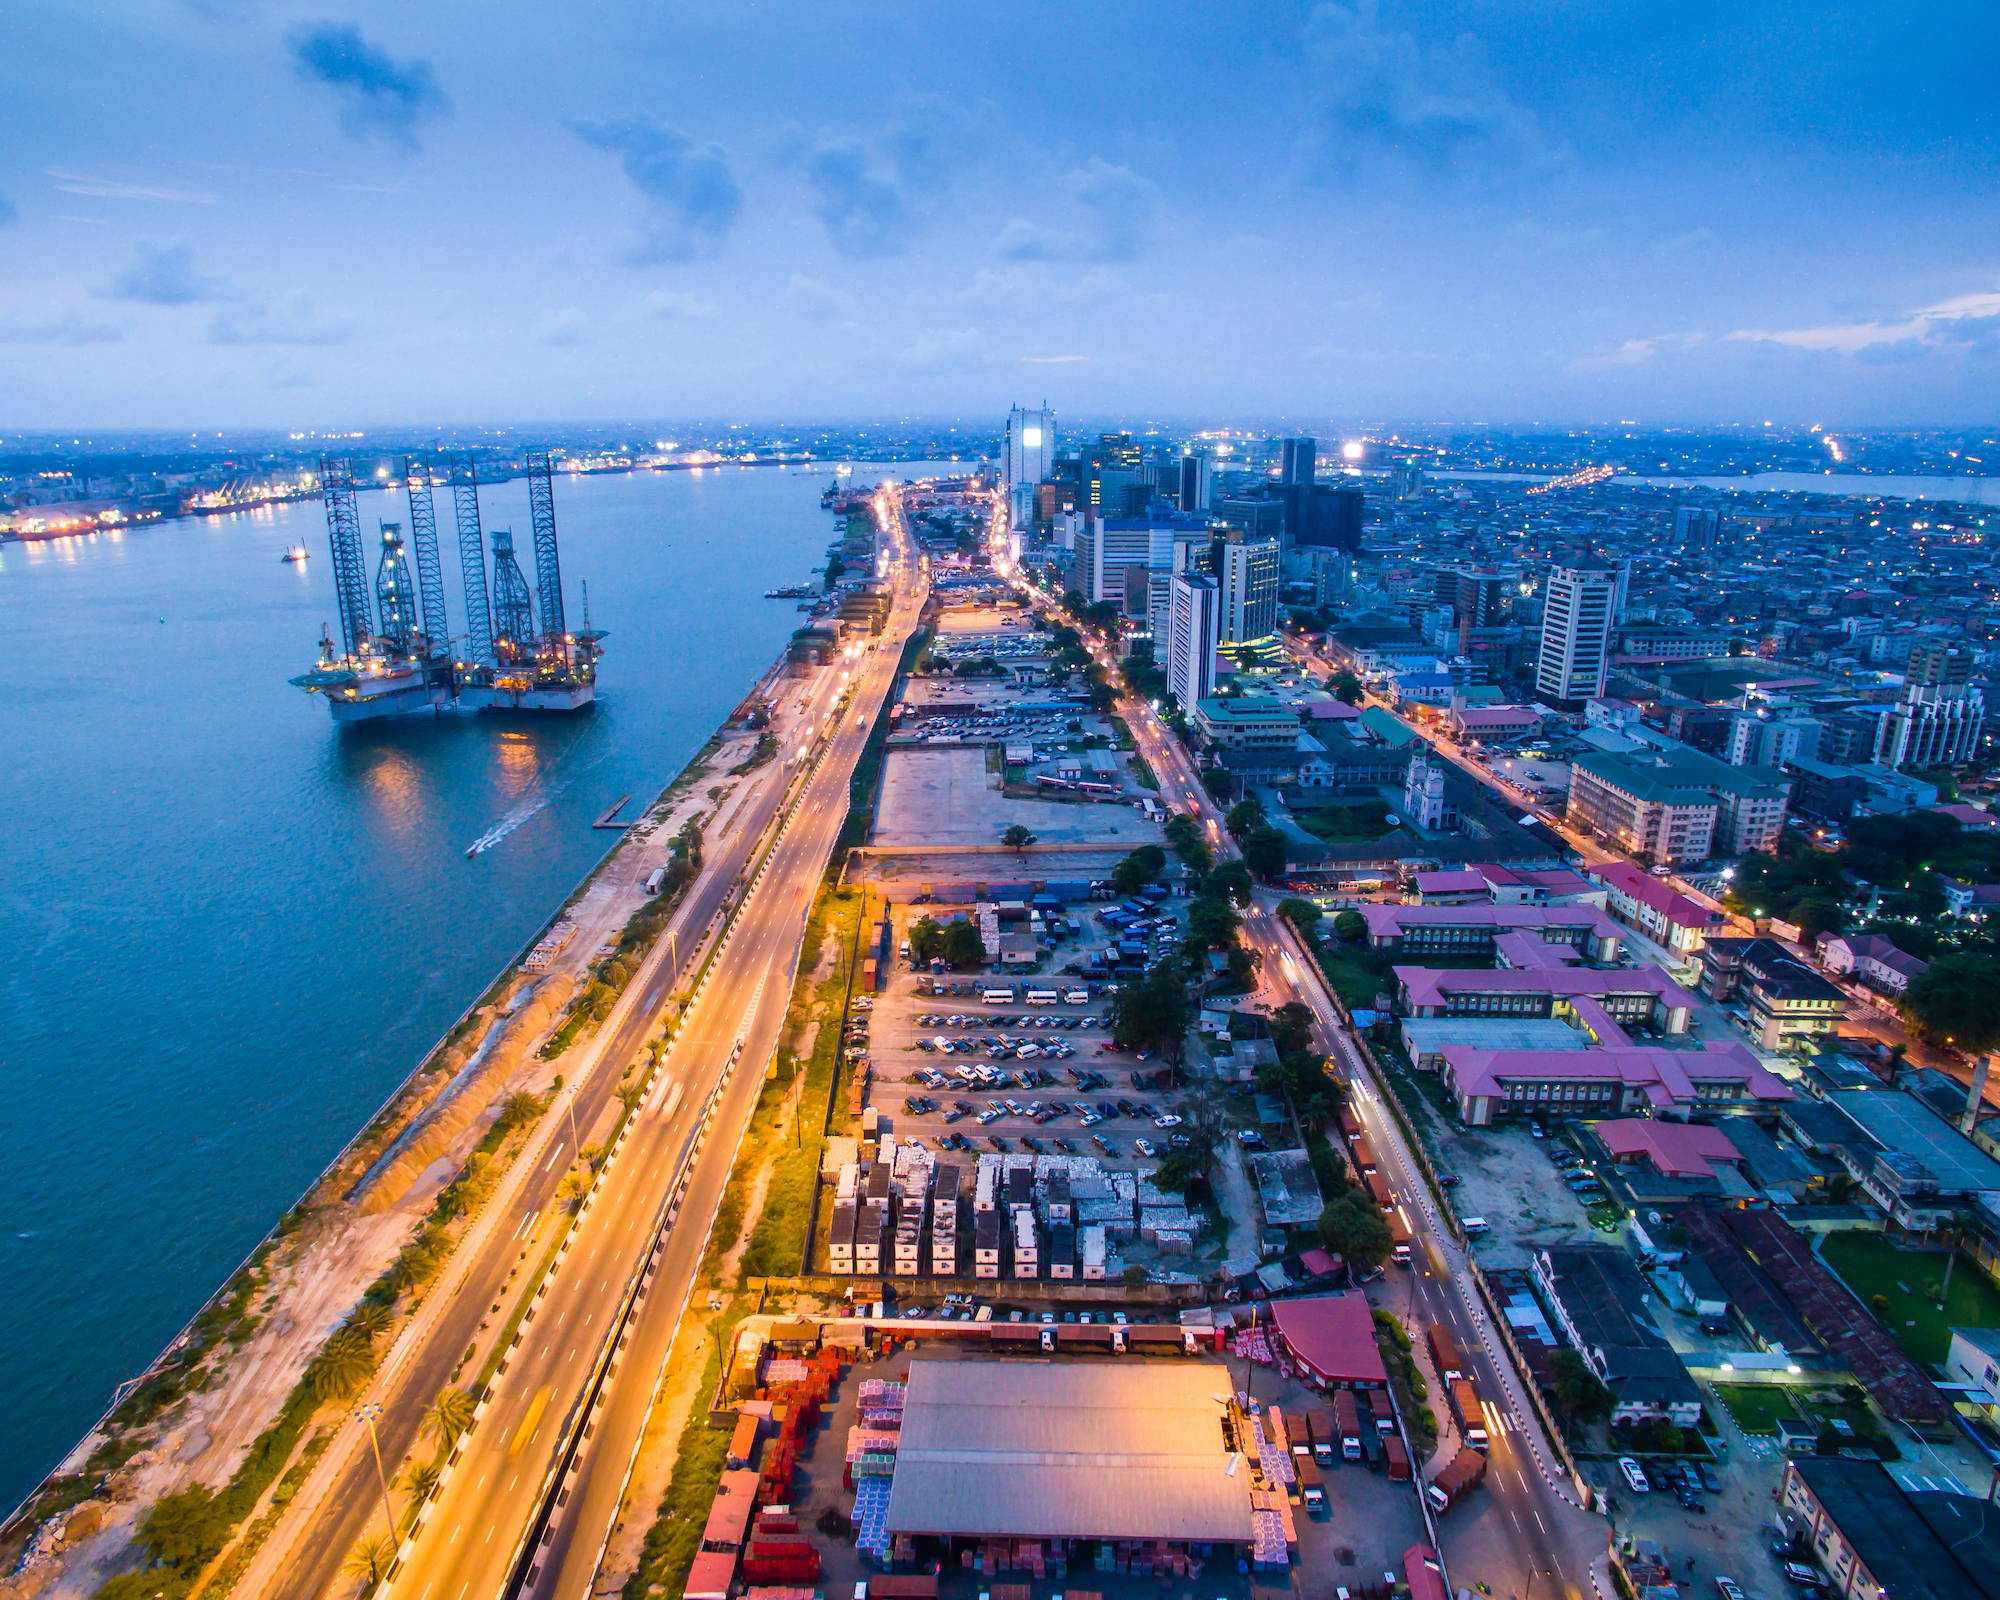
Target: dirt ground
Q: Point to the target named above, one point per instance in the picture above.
(947, 796)
(1507, 1178)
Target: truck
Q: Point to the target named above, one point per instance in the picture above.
(1399, 1239)
(1464, 1395)
(1383, 1410)
(1460, 1477)
(1311, 1491)
(1325, 1441)
(1444, 1352)
(1364, 1156)
(1379, 1191)
(1347, 1421)
(1397, 1457)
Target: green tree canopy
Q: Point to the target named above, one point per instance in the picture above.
(926, 939)
(1153, 1013)
(1017, 838)
(1350, 927)
(186, 1529)
(1264, 851)
(1578, 1390)
(1302, 914)
(1353, 1229)
(1246, 814)
(1217, 782)
(1957, 998)
(962, 945)
(1291, 1027)
(1211, 923)
(1231, 879)
(1347, 688)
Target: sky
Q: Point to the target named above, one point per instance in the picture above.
(233, 213)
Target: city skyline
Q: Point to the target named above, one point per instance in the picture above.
(278, 217)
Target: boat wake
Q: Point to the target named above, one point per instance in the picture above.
(507, 824)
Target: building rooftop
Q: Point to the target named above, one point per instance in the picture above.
(1334, 1334)
(1901, 1551)
(1666, 1077)
(1424, 1036)
(1119, 1449)
(1649, 786)
(1676, 1149)
(1902, 1122)
(1649, 891)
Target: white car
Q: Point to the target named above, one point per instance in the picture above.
(1145, 1147)
(1728, 1588)
(1635, 1475)
(1168, 1120)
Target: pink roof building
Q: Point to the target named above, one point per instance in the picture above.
(1675, 921)
(1676, 1149)
(1333, 1336)
(1621, 1079)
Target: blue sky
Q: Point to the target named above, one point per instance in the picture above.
(227, 212)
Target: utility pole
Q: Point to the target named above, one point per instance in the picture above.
(369, 1414)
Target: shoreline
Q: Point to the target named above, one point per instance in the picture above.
(373, 1123)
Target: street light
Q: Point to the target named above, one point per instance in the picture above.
(370, 1413)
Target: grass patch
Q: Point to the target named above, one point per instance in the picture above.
(1872, 1266)
(675, 1536)
(1756, 1407)
(1358, 975)
(1345, 824)
(1142, 769)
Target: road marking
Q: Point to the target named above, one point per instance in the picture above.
(553, 1154)
(531, 1423)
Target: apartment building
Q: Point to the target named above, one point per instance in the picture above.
(1643, 810)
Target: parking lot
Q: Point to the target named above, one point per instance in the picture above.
(1520, 1185)
(967, 1062)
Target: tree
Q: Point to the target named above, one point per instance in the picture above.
(345, 1363)
(1301, 914)
(1217, 782)
(1105, 615)
(1017, 838)
(447, 1416)
(187, 1529)
(1350, 927)
(1211, 923)
(834, 568)
(1957, 998)
(421, 1482)
(1184, 834)
(926, 940)
(1355, 1231)
(1264, 851)
(574, 1186)
(1074, 603)
(1243, 816)
(1129, 877)
(368, 1563)
(1231, 879)
(1347, 688)
(1291, 1028)
(1579, 1392)
(962, 945)
(1153, 1013)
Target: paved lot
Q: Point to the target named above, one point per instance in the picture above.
(1507, 1177)
(947, 796)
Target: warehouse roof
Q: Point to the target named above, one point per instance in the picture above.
(1078, 1450)
(1334, 1334)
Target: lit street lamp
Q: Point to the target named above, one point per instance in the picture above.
(370, 1413)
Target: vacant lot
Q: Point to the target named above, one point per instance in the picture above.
(949, 797)
(1871, 1265)
(1506, 1177)
(1756, 1407)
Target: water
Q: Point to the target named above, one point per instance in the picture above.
(1960, 491)
(231, 928)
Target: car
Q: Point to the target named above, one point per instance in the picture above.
(1536, 1130)
(1711, 1480)
(1166, 1120)
(1715, 1328)
(1728, 1588)
(1801, 1574)
(1635, 1475)
(996, 1141)
(1145, 1147)
(1250, 1138)
(1451, 1180)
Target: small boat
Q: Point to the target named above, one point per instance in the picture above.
(296, 553)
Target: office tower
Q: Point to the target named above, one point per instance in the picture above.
(1260, 515)
(1027, 454)
(1249, 586)
(1576, 631)
(1477, 597)
(1196, 481)
(1117, 450)
(1931, 726)
(1756, 741)
(1193, 632)
(1330, 516)
(1406, 482)
(1622, 592)
(1937, 666)
(1697, 527)
(1298, 461)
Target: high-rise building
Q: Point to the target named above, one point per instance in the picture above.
(1931, 726)
(1756, 741)
(1249, 583)
(1298, 461)
(1329, 515)
(1697, 527)
(1196, 481)
(1576, 634)
(1026, 455)
(1193, 632)
(1261, 516)
(1939, 666)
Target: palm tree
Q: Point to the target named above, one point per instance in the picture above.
(574, 1186)
(371, 1318)
(449, 1415)
(369, 1562)
(344, 1364)
(421, 1482)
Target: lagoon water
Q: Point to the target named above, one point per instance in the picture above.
(231, 928)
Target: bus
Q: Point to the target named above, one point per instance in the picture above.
(997, 997)
(1042, 997)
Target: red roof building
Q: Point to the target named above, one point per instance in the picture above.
(1333, 1337)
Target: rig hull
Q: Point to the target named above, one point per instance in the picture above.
(570, 697)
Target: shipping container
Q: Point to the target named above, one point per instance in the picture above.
(1311, 1491)
(1464, 1395)
(1364, 1155)
(1325, 1442)
(1383, 1410)
(1347, 1422)
(1397, 1458)
(1465, 1472)
(1385, 1201)
(1444, 1353)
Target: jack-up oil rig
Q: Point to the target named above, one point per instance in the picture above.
(399, 656)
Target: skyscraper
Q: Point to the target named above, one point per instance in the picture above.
(1328, 515)
(1249, 587)
(1195, 483)
(1027, 453)
(1298, 461)
(1576, 633)
(1193, 632)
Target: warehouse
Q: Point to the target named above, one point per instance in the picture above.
(1331, 1339)
(1078, 1450)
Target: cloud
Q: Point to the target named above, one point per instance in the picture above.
(7, 212)
(290, 320)
(112, 189)
(568, 326)
(378, 94)
(1053, 361)
(690, 189)
(808, 297)
(1629, 354)
(1110, 214)
(164, 275)
(71, 328)
(1028, 286)
(1378, 102)
(674, 306)
(946, 353)
(872, 195)
(1924, 326)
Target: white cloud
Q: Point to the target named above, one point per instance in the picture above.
(808, 297)
(112, 189)
(1111, 211)
(71, 328)
(946, 352)
(673, 306)
(290, 320)
(568, 326)
(1848, 338)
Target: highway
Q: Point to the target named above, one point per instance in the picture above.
(1523, 1533)
(477, 1523)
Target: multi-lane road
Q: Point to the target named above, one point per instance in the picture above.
(534, 1490)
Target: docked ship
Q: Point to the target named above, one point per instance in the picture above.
(296, 553)
(396, 657)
